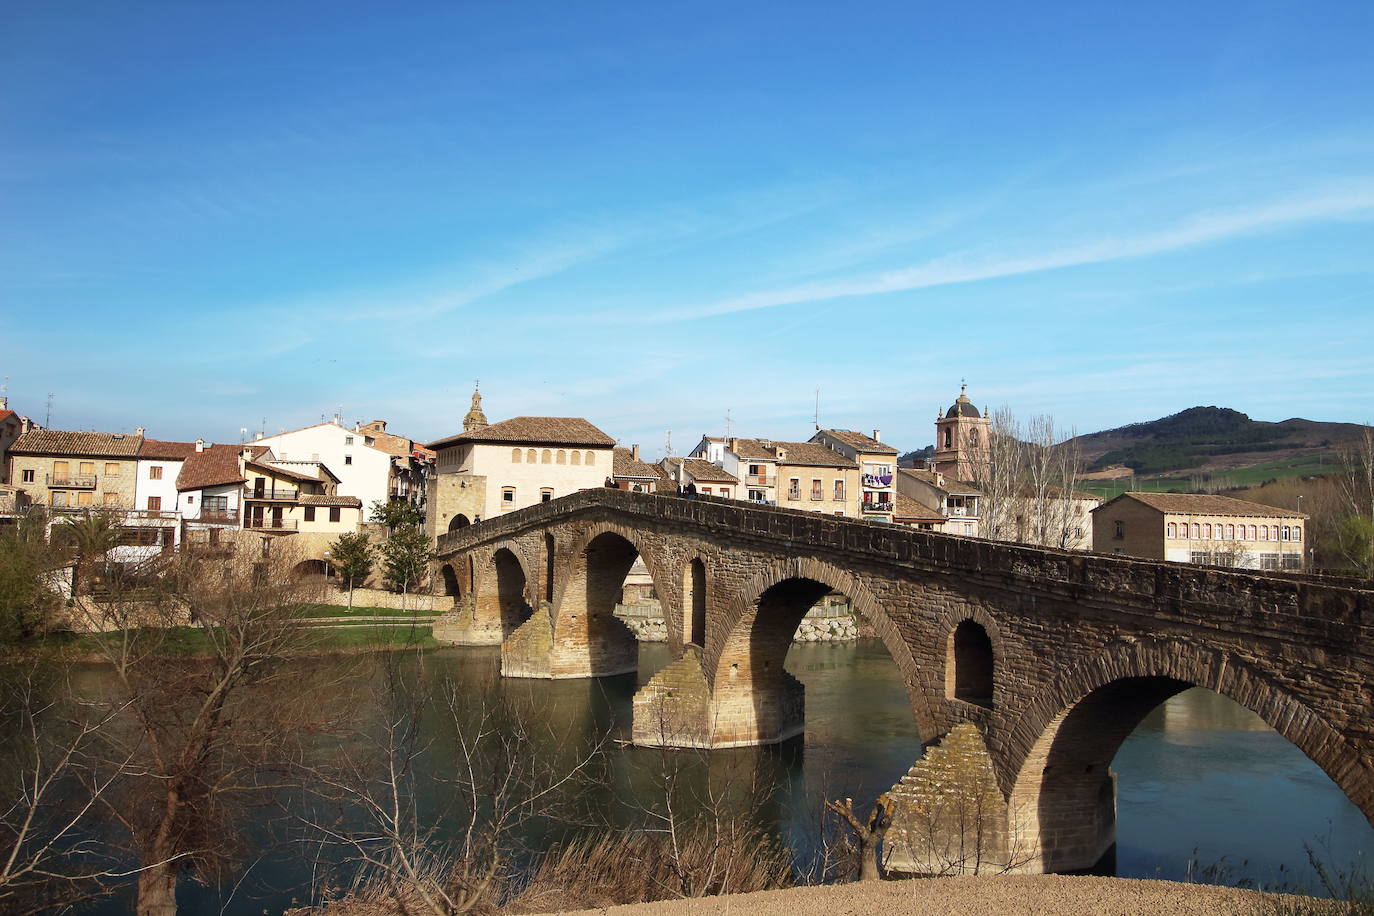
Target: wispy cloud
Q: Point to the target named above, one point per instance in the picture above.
(1354, 201)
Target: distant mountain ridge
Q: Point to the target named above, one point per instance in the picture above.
(1209, 438)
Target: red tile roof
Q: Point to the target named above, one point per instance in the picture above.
(217, 465)
(535, 430)
(1206, 504)
(172, 451)
(625, 464)
(907, 509)
(62, 442)
(700, 471)
(860, 442)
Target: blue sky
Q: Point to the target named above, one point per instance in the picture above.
(213, 217)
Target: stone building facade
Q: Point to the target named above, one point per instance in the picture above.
(1201, 528)
(961, 439)
(61, 469)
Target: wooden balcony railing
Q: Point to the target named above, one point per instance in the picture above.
(270, 524)
(277, 493)
(72, 481)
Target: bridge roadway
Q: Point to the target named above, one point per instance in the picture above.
(1026, 668)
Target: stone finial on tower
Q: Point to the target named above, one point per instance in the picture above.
(475, 419)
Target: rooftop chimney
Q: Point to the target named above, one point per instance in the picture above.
(634, 451)
(200, 445)
(734, 444)
(257, 435)
(878, 434)
(4, 402)
(139, 430)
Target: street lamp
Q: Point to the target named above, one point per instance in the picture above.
(326, 564)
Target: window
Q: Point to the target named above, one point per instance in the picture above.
(589, 458)
(59, 497)
(1207, 531)
(576, 457)
(83, 498)
(28, 476)
(1197, 529)
(562, 457)
(1173, 530)
(111, 499)
(816, 493)
(1254, 534)
(724, 493)
(111, 469)
(1273, 532)
(1287, 532)
(348, 459)
(191, 500)
(1120, 529)
(309, 513)
(155, 472)
(1264, 532)
(545, 494)
(87, 468)
(706, 491)
(348, 440)
(531, 456)
(368, 440)
(1297, 533)
(546, 457)
(515, 455)
(1200, 556)
(214, 504)
(335, 513)
(949, 438)
(508, 496)
(154, 503)
(61, 470)
(839, 491)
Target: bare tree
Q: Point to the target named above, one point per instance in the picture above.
(1027, 475)
(1355, 536)
(200, 737)
(868, 834)
(496, 784)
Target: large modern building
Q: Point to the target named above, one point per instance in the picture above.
(1201, 528)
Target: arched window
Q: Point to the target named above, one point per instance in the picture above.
(1173, 529)
(590, 458)
(1197, 530)
(1207, 531)
(547, 457)
(969, 664)
(562, 457)
(515, 455)
(576, 457)
(1230, 532)
(1297, 533)
(1273, 532)
(694, 603)
(531, 456)
(1264, 532)
(949, 438)
(1287, 532)
(1254, 534)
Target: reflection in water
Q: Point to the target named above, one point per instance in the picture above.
(1199, 772)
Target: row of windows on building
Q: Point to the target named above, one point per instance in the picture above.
(546, 456)
(1206, 531)
(817, 489)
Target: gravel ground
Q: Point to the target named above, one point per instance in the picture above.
(1050, 895)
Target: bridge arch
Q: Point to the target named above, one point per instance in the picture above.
(511, 587)
(458, 522)
(970, 664)
(694, 590)
(755, 638)
(1057, 765)
(452, 587)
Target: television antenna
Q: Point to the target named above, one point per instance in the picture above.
(668, 444)
(817, 418)
(47, 418)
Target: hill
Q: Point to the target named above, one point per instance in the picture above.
(1206, 439)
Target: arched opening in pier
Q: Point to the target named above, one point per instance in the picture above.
(591, 637)
(694, 603)
(969, 664)
(458, 522)
(548, 567)
(307, 568)
(1155, 777)
(450, 577)
(513, 605)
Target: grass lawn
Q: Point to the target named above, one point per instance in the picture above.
(188, 641)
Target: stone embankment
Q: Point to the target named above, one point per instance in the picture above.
(823, 623)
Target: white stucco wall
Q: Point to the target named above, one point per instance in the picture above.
(495, 463)
(166, 488)
(366, 477)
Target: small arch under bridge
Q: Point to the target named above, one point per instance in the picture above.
(1053, 657)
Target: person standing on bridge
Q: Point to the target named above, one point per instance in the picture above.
(691, 491)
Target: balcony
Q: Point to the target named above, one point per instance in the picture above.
(877, 480)
(136, 514)
(877, 507)
(72, 481)
(272, 493)
(794, 494)
(759, 480)
(817, 496)
(218, 516)
(270, 524)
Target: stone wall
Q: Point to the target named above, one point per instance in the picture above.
(376, 597)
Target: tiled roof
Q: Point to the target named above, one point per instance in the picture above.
(908, 509)
(284, 472)
(61, 442)
(1205, 504)
(308, 499)
(950, 485)
(702, 471)
(217, 465)
(173, 451)
(5, 415)
(754, 449)
(859, 441)
(811, 454)
(540, 430)
(625, 464)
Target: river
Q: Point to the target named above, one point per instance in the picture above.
(1202, 782)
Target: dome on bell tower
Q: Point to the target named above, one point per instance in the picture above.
(962, 406)
(475, 419)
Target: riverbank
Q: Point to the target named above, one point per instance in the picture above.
(1005, 895)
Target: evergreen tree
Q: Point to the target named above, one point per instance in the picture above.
(351, 555)
(406, 556)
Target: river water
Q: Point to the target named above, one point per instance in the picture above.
(1202, 782)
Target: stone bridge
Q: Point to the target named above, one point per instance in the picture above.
(1040, 662)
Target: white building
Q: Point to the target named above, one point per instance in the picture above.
(155, 484)
(363, 470)
(490, 469)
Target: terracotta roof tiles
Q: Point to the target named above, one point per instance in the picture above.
(62, 442)
(539, 430)
(172, 451)
(860, 442)
(701, 471)
(810, 454)
(625, 464)
(217, 465)
(1205, 504)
